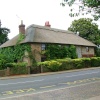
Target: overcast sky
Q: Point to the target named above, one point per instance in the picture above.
(34, 12)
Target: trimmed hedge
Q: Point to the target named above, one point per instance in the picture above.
(67, 64)
(18, 68)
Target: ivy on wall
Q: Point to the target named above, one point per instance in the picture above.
(16, 52)
(55, 51)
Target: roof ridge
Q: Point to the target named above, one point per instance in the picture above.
(49, 28)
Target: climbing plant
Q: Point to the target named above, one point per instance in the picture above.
(54, 51)
(16, 52)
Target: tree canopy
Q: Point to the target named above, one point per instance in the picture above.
(84, 7)
(3, 34)
(87, 29)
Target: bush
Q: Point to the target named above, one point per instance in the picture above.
(87, 62)
(3, 61)
(77, 63)
(18, 68)
(95, 61)
(51, 65)
(54, 65)
(67, 64)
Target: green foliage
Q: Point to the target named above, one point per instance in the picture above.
(16, 52)
(19, 64)
(86, 62)
(54, 65)
(97, 52)
(59, 52)
(51, 65)
(77, 63)
(95, 61)
(18, 68)
(87, 29)
(84, 7)
(21, 37)
(72, 50)
(4, 35)
(67, 64)
(3, 61)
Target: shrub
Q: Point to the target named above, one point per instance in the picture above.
(3, 61)
(66, 64)
(77, 63)
(54, 65)
(51, 65)
(18, 68)
(87, 62)
(95, 61)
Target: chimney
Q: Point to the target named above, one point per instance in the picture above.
(47, 24)
(22, 28)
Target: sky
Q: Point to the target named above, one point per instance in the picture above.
(34, 12)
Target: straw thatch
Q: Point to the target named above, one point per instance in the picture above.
(43, 34)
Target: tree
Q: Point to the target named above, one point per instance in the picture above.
(3, 34)
(84, 7)
(87, 29)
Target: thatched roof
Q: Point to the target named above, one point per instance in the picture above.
(43, 34)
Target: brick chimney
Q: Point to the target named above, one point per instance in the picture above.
(22, 28)
(47, 24)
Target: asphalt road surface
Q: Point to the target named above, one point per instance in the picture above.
(80, 85)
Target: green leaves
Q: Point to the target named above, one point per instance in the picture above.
(21, 37)
(85, 7)
(16, 52)
(54, 51)
(4, 35)
(86, 28)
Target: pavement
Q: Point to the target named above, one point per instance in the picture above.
(94, 98)
(47, 73)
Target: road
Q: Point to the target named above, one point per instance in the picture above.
(79, 85)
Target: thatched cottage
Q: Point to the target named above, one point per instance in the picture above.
(37, 36)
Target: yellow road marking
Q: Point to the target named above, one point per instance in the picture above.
(48, 86)
(18, 91)
(81, 81)
(30, 89)
(7, 93)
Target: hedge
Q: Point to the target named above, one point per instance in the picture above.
(67, 64)
(18, 68)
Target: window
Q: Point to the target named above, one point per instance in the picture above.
(43, 46)
(87, 49)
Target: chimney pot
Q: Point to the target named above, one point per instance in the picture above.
(47, 24)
